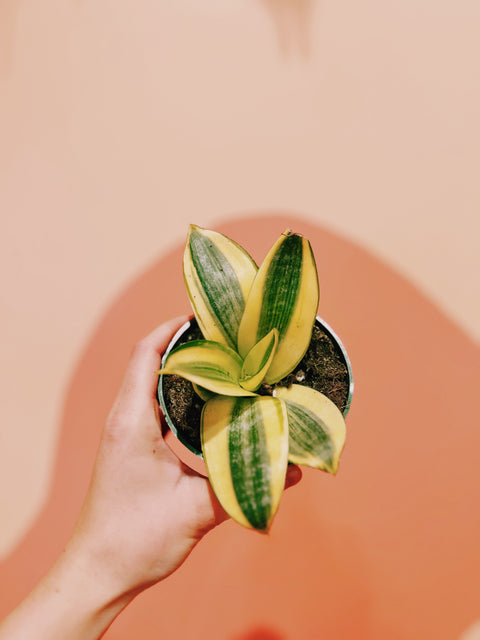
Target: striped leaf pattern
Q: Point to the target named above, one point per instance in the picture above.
(208, 364)
(218, 275)
(316, 428)
(258, 361)
(284, 295)
(203, 393)
(245, 447)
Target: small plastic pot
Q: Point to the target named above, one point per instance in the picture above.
(181, 336)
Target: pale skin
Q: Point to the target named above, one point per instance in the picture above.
(143, 514)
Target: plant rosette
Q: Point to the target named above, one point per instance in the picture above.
(325, 367)
(259, 380)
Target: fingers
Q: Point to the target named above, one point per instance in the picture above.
(146, 357)
(139, 384)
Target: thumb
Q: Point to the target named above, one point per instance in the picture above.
(137, 396)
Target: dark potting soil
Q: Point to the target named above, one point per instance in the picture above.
(322, 368)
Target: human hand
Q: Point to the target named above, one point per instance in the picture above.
(145, 510)
(143, 514)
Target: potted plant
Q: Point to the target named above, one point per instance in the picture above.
(242, 361)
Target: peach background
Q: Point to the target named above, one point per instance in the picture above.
(122, 123)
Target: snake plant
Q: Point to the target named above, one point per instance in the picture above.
(257, 324)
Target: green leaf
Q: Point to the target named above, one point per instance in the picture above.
(245, 447)
(218, 275)
(284, 296)
(208, 364)
(203, 393)
(316, 427)
(258, 361)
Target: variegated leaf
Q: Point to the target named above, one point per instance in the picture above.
(258, 360)
(245, 447)
(203, 393)
(316, 427)
(284, 295)
(218, 275)
(208, 364)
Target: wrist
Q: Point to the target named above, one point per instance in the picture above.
(73, 600)
(86, 597)
(89, 582)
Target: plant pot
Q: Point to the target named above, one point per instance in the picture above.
(325, 367)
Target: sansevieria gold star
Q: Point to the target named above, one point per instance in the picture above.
(257, 325)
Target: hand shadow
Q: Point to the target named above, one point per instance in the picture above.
(292, 21)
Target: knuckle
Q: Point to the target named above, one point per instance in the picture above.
(141, 347)
(117, 423)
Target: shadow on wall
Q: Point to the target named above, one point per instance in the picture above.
(261, 633)
(9, 10)
(292, 20)
(370, 554)
(472, 633)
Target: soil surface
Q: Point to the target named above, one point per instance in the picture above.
(322, 367)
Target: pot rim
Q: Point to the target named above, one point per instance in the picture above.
(161, 400)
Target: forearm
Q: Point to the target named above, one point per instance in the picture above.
(71, 601)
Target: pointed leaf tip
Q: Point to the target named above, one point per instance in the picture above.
(258, 361)
(284, 295)
(208, 364)
(245, 447)
(316, 428)
(218, 275)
